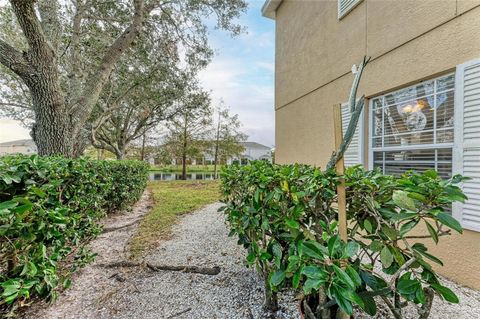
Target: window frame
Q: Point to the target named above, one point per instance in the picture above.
(435, 146)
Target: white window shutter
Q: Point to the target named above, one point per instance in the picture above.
(345, 6)
(466, 152)
(354, 153)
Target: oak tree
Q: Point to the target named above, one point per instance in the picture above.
(68, 49)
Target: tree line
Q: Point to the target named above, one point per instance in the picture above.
(105, 73)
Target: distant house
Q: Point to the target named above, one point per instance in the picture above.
(252, 151)
(255, 151)
(18, 147)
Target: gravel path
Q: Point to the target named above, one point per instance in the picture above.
(200, 239)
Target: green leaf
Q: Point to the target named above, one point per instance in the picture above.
(353, 274)
(386, 257)
(432, 232)
(8, 204)
(402, 200)
(351, 248)
(407, 286)
(333, 243)
(449, 221)
(376, 245)
(277, 250)
(292, 223)
(368, 226)
(257, 195)
(446, 293)
(39, 192)
(343, 276)
(390, 232)
(314, 272)
(67, 283)
(32, 269)
(296, 278)
(341, 300)
(417, 196)
(10, 289)
(277, 278)
(397, 255)
(423, 251)
(312, 284)
(11, 298)
(314, 250)
(406, 227)
(369, 305)
(455, 194)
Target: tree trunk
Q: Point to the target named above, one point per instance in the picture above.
(271, 299)
(121, 150)
(142, 152)
(184, 165)
(217, 138)
(215, 162)
(51, 130)
(184, 149)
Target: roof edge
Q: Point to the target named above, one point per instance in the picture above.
(270, 7)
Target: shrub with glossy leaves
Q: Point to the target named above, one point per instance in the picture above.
(286, 218)
(49, 208)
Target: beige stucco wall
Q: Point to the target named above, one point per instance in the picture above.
(408, 41)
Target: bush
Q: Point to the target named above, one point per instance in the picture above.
(286, 218)
(49, 208)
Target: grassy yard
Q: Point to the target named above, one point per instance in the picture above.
(171, 199)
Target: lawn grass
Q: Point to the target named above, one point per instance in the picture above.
(171, 199)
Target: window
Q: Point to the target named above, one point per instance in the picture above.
(345, 6)
(412, 128)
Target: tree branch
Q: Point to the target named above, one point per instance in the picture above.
(14, 59)
(82, 108)
(27, 19)
(356, 109)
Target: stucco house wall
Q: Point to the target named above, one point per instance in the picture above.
(408, 41)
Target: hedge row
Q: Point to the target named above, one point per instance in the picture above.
(286, 218)
(49, 208)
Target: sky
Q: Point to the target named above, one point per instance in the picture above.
(241, 74)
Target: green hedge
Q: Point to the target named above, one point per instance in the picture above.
(286, 218)
(49, 208)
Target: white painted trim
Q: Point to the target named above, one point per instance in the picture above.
(370, 134)
(361, 137)
(457, 165)
(270, 7)
(412, 147)
(459, 145)
(344, 13)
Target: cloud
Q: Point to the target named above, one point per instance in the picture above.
(242, 74)
(239, 86)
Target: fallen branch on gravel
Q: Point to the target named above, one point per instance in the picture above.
(179, 313)
(190, 269)
(110, 229)
(212, 271)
